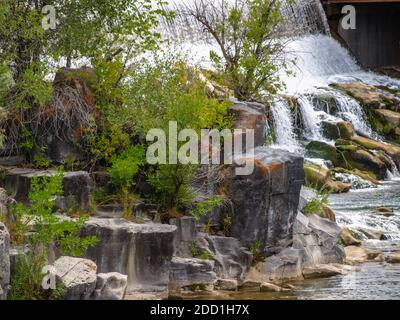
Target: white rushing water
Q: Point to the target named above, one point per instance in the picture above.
(283, 126)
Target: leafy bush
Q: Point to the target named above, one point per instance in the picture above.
(47, 227)
(316, 204)
(204, 208)
(123, 170)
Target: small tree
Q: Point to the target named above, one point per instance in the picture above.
(246, 34)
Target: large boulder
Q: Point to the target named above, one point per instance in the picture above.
(78, 277)
(284, 266)
(232, 261)
(265, 202)
(319, 239)
(4, 261)
(141, 251)
(318, 177)
(369, 96)
(77, 186)
(322, 150)
(191, 274)
(110, 286)
(370, 144)
(250, 115)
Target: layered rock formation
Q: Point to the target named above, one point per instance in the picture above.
(265, 203)
(141, 251)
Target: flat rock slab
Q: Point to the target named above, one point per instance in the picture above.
(141, 251)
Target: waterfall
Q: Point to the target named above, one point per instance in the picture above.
(310, 117)
(304, 17)
(350, 110)
(284, 126)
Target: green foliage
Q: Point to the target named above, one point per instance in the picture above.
(244, 31)
(26, 283)
(172, 185)
(123, 170)
(47, 227)
(227, 225)
(200, 254)
(316, 204)
(256, 250)
(205, 207)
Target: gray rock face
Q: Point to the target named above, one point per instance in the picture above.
(141, 251)
(4, 261)
(315, 244)
(77, 186)
(191, 274)
(286, 265)
(232, 261)
(250, 115)
(266, 202)
(185, 235)
(4, 200)
(110, 286)
(77, 275)
(319, 238)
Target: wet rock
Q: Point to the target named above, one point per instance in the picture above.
(369, 96)
(348, 239)
(110, 286)
(78, 277)
(320, 178)
(322, 150)
(77, 186)
(265, 203)
(232, 261)
(4, 261)
(389, 116)
(269, 287)
(356, 255)
(330, 130)
(250, 115)
(371, 234)
(391, 150)
(346, 130)
(366, 161)
(191, 274)
(321, 271)
(226, 285)
(141, 251)
(393, 258)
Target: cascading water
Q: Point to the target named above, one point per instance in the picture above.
(283, 126)
(350, 110)
(307, 15)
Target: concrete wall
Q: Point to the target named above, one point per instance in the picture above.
(376, 40)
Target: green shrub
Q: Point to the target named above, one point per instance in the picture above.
(205, 207)
(123, 170)
(316, 204)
